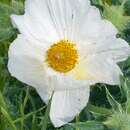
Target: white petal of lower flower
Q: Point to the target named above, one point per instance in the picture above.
(67, 104)
(25, 63)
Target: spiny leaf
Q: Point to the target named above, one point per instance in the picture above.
(125, 91)
(109, 2)
(118, 121)
(115, 14)
(99, 110)
(89, 125)
(115, 105)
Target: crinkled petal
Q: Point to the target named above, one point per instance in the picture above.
(67, 104)
(93, 27)
(114, 48)
(49, 20)
(99, 69)
(36, 22)
(99, 36)
(33, 29)
(65, 13)
(26, 64)
(103, 70)
(61, 82)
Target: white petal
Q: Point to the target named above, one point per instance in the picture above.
(114, 48)
(96, 69)
(65, 14)
(93, 28)
(44, 94)
(26, 64)
(33, 29)
(36, 22)
(67, 104)
(99, 36)
(49, 19)
(40, 13)
(60, 81)
(103, 70)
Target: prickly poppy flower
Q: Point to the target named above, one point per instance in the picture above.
(64, 46)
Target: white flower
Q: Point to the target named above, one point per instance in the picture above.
(64, 46)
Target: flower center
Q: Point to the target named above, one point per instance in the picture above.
(62, 56)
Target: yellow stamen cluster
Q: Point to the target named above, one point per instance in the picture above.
(62, 56)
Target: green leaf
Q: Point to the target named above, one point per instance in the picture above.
(67, 127)
(126, 85)
(109, 2)
(2, 102)
(115, 13)
(97, 2)
(123, 87)
(118, 121)
(99, 110)
(46, 117)
(125, 92)
(6, 29)
(89, 125)
(128, 104)
(9, 119)
(115, 105)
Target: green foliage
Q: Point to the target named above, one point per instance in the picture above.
(120, 119)
(101, 111)
(90, 125)
(22, 109)
(6, 29)
(115, 105)
(116, 12)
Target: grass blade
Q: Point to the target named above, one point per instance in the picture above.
(9, 119)
(46, 117)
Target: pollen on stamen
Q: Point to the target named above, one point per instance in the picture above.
(62, 56)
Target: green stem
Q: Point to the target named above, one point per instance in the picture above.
(46, 117)
(9, 119)
(28, 115)
(22, 108)
(77, 121)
